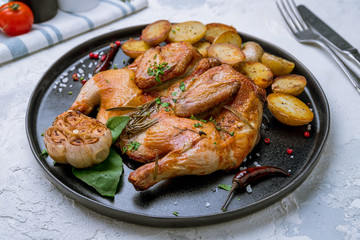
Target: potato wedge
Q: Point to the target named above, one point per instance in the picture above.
(292, 84)
(279, 66)
(213, 30)
(226, 53)
(229, 37)
(253, 51)
(156, 32)
(256, 71)
(134, 48)
(201, 47)
(289, 109)
(191, 32)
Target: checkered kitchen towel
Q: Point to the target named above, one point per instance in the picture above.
(65, 25)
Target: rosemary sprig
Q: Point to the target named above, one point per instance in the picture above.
(239, 115)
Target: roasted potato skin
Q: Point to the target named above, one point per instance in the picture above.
(134, 48)
(201, 46)
(253, 51)
(191, 32)
(292, 84)
(226, 53)
(213, 30)
(229, 37)
(156, 32)
(289, 110)
(279, 66)
(256, 71)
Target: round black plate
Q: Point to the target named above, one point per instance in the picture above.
(197, 199)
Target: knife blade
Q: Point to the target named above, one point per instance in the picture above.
(329, 33)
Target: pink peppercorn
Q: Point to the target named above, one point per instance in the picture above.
(307, 134)
(118, 43)
(289, 151)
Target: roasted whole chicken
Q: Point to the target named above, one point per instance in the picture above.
(196, 115)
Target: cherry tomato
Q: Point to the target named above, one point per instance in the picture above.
(15, 18)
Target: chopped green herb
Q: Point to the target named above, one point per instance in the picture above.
(217, 128)
(202, 133)
(211, 119)
(232, 133)
(115, 66)
(132, 146)
(157, 70)
(193, 117)
(70, 93)
(158, 100)
(107, 81)
(155, 56)
(198, 125)
(193, 79)
(175, 213)
(182, 86)
(177, 28)
(167, 110)
(165, 104)
(239, 199)
(174, 100)
(202, 120)
(124, 61)
(224, 210)
(44, 153)
(42, 134)
(82, 78)
(174, 93)
(225, 187)
(173, 31)
(215, 143)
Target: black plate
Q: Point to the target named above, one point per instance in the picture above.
(190, 196)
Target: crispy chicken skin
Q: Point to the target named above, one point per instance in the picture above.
(180, 59)
(182, 150)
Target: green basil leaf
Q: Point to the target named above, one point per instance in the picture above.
(116, 125)
(105, 176)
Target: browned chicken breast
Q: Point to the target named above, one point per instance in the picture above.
(160, 64)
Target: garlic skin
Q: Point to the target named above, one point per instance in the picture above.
(78, 140)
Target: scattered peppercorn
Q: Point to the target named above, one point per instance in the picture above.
(103, 57)
(118, 43)
(289, 151)
(91, 55)
(267, 140)
(96, 56)
(306, 134)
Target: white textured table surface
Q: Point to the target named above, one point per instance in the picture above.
(325, 206)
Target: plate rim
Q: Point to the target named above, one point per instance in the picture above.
(145, 219)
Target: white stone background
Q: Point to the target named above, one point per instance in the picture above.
(325, 206)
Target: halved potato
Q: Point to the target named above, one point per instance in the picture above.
(292, 84)
(134, 48)
(226, 53)
(229, 37)
(191, 32)
(289, 109)
(156, 32)
(256, 71)
(253, 51)
(279, 66)
(213, 30)
(201, 47)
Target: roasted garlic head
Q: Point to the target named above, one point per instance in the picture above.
(78, 140)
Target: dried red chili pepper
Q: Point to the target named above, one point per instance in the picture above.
(244, 177)
(109, 56)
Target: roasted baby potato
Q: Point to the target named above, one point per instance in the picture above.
(213, 30)
(191, 32)
(256, 71)
(289, 109)
(279, 66)
(134, 48)
(156, 32)
(229, 37)
(226, 53)
(253, 51)
(292, 84)
(201, 47)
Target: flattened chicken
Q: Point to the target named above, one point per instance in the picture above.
(178, 146)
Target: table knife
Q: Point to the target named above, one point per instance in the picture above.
(340, 43)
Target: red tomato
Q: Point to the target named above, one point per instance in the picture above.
(16, 18)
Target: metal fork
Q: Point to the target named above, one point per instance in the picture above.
(304, 34)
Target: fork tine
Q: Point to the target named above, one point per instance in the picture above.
(284, 13)
(297, 15)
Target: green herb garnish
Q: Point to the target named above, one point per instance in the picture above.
(117, 125)
(182, 86)
(174, 100)
(44, 153)
(167, 110)
(105, 176)
(131, 146)
(165, 104)
(174, 93)
(232, 133)
(225, 187)
(157, 70)
(198, 125)
(158, 100)
(175, 213)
